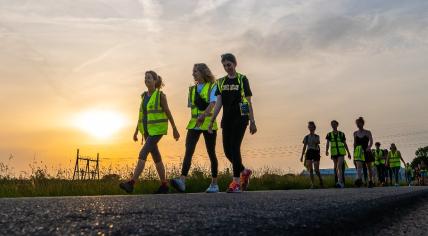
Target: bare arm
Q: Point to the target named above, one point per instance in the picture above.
(369, 148)
(303, 152)
(217, 108)
(347, 149)
(327, 147)
(253, 127)
(399, 153)
(164, 104)
(251, 109)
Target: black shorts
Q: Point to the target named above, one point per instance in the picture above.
(313, 155)
(336, 156)
(368, 155)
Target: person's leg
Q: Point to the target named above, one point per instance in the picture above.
(370, 171)
(227, 134)
(390, 175)
(152, 144)
(396, 174)
(317, 171)
(210, 142)
(237, 138)
(364, 167)
(335, 170)
(339, 170)
(311, 171)
(142, 157)
(343, 171)
(192, 138)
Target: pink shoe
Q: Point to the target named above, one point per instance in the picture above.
(245, 178)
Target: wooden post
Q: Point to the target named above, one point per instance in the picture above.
(76, 166)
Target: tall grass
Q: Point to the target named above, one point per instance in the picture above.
(41, 183)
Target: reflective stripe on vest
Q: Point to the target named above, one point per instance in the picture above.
(240, 77)
(195, 112)
(337, 147)
(359, 154)
(157, 121)
(394, 159)
(378, 154)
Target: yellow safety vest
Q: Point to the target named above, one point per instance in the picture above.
(359, 154)
(240, 77)
(205, 94)
(378, 154)
(394, 159)
(157, 121)
(337, 147)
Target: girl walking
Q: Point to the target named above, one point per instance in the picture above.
(363, 142)
(311, 151)
(152, 124)
(234, 95)
(201, 102)
(394, 160)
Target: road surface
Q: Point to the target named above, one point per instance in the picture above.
(292, 212)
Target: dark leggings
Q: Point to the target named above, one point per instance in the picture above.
(232, 140)
(191, 141)
(151, 146)
(396, 172)
(381, 173)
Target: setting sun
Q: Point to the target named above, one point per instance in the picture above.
(99, 124)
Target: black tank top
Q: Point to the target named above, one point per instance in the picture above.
(363, 142)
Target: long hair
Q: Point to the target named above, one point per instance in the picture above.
(158, 80)
(205, 72)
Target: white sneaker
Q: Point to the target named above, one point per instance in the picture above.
(178, 184)
(213, 188)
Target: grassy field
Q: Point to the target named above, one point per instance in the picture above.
(198, 181)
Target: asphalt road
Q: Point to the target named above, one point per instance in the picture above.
(292, 212)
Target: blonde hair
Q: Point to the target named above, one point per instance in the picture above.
(158, 80)
(205, 72)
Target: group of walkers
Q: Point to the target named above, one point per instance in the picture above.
(206, 98)
(232, 93)
(368, 162)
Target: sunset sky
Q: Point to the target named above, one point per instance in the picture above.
(69, 68)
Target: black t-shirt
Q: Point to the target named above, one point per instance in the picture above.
(231, 97)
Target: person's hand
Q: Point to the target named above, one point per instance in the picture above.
(200, 119)
(135, 138)
(210, 128)
(175, 134)
(326, 153)
(253, 127)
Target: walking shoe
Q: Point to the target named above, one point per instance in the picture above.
(233, 188)
(371, 185)
(245, 179)
(213, 188)
(339, 185)
(127, 186)
(163, 189)
(178, 184)
(396, 185)
(358, 183)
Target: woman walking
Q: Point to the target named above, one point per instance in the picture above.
(201, 102)
(234, 95)
(152, 124)
(363, 142)
(337, 141)
(311, 151)
(394, 160)
(379, 163)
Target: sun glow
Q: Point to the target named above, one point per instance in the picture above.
(98, 123)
